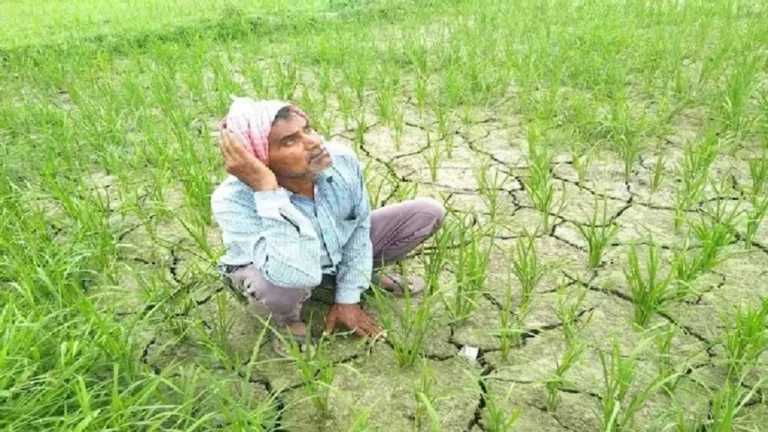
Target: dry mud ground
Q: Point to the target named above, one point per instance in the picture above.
(368, 379)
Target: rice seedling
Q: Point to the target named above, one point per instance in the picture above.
(726, 404)
(398, 126)
(444, 133)
(529, 271)
(714, 232)
(657, 175)
(598, 233)
(580, 160)
(694, 174)
(745, 339)
(568, 312)
(470, 264)
(489, 186)
(361, 419)
(407, 329)
(316, 368)
(618, 404)
(527, 267)
(649, 289)
(624, 131)
(424, 395)
(499, 418)
(755, 216)
(385, 96)
(735, 95)
(433, 156)
(441, 253)
(573, 351)
(665, 363)
(758, 173)
(538, 182)
(509, 331)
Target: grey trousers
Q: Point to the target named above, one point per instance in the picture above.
(396, 230)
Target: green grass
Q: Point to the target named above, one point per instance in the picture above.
(112, 315)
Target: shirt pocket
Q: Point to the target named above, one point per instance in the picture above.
(349, 223)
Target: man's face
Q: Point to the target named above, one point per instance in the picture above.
(295, 149)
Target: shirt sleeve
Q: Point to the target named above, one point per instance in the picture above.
(286, 249)
(357, 255)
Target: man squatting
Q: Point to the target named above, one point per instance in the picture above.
(294, 214)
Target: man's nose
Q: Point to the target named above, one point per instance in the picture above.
(312, 141)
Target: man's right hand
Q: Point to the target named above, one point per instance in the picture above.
(245, 166)
(354, 318)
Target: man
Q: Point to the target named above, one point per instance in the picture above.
(295, 214)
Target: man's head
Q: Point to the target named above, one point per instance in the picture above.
(280, 135)
(295, 149)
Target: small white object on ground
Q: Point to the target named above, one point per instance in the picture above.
(469, 352)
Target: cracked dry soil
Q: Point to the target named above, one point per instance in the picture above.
(369, 378)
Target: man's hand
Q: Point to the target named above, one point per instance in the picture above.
(355, 319)
(245, 166)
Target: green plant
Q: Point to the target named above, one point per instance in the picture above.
(568, 312)
(509, 332)
(580, 160)
(527, 267)
(665, 363)
(618, 404)
(538, 183)
(758, 173)
(755, 216)
(694, 174)
(433, 156)
(726, 404)
(658, 174)
(649, 291)
(470, 260)
(573, 351)
(489, 187)
(499, 418)
(407, 329)
(714, 232)
(624, 131)
(316, 367)
(598, 233)
(425, 398)
(745, 339)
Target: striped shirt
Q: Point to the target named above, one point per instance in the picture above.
(292, 239)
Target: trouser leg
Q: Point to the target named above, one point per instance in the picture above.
(281, 305)
(399, 228)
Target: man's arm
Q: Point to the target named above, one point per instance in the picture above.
(286, 248)
(357, 255)
(355, 272)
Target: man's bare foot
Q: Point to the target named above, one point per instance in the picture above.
(296, 329)
(296, 332)
(396, 284)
